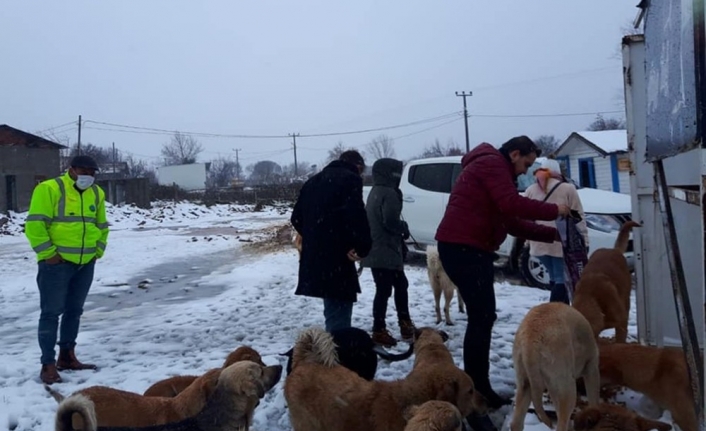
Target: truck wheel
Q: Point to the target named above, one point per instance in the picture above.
(532, 271)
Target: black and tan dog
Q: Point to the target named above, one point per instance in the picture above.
(323, 395)
(238, 388)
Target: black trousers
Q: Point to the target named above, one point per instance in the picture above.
(385, 281)
(472, 271)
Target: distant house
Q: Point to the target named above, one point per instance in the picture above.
(25, 161)
(597, 160)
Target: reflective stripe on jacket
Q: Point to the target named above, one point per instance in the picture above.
(63, 220)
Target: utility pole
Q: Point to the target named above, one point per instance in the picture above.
(114, 169)
(294, 144)
(465, 115)
(78, 146)
(237, 164)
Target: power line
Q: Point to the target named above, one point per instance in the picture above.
(152, 130)
(426, 129)
(577, 114)
(48, 129)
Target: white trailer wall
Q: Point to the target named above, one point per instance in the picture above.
(188, 177)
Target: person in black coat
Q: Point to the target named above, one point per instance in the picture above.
(331, 219)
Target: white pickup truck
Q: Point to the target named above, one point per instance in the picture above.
(426, 186)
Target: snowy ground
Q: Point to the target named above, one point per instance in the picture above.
(206, 294)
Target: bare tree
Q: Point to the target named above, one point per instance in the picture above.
(302, 171)
(335, 152)
(381, 147)
(601, 123)
(438, 150)
(222, 172)
(102, 155)
(547, 143)
(181, 150)
(265, 172)
(138, 168)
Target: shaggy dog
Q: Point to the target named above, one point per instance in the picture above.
(322, 395)
(441, 283)
(115, 408)
(659, 373)
(433, 416)
(554, 346)
(173, 386)
(603, 292)
(356, 351)
(608, 417)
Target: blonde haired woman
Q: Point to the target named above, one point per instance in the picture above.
(551, 187)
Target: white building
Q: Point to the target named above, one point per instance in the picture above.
(597, 160)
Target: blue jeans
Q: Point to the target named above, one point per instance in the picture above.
(337, 313)
(554, 267)
(63, 289)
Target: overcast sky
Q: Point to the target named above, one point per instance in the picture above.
(309, 66)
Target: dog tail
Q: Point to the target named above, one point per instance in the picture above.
(54, 393)
(621, 243)
(76, 404)
(533, 374)
(316, 346)
(394, 357)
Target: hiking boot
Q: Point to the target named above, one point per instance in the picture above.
(384, 338)
(407, 329)
(67, 361)
(49, 374)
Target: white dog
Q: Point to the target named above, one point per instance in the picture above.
(440, 282)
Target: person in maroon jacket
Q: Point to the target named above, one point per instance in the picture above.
(483, 208)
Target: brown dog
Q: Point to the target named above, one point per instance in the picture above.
(117, 408)
(297, 241)
(173, 386)
(554, 346)
(608, 417)
(659, 373)
(322, 395)
(433, 416)
(603, 293)
(441, 283)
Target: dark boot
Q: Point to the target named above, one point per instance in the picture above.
(67, 361)
(407, 329)
(559, 294)
(480, 422)
(384, 338)
(49, 374)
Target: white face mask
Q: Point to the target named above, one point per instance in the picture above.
(84, 181)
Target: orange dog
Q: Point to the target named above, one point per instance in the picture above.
(608, 417)
(173, 386)
(603, 292)
(659, 373)
(433, 416)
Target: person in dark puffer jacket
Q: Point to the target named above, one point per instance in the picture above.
(483, 208)
(386, 258)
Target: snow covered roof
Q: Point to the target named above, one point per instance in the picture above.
(604, 141)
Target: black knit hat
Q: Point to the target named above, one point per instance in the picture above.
(84, 162)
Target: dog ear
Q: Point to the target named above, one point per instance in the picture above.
(288, 353)
(448, 392)
(409, 412)
(417, 333)
(254, 387)
(444, 335)
(648, 424)
(587, 419)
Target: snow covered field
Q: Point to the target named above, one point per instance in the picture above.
(207, 292)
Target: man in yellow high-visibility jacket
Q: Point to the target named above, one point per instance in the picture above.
(67, 228)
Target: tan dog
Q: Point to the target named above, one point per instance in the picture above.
(441, 283)
(117, 408)
(554, 346)
(603, 293)
(173, 386)
(433, 416)
(608, 417)
(659, 373)
(297, 241)
(322, 395)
